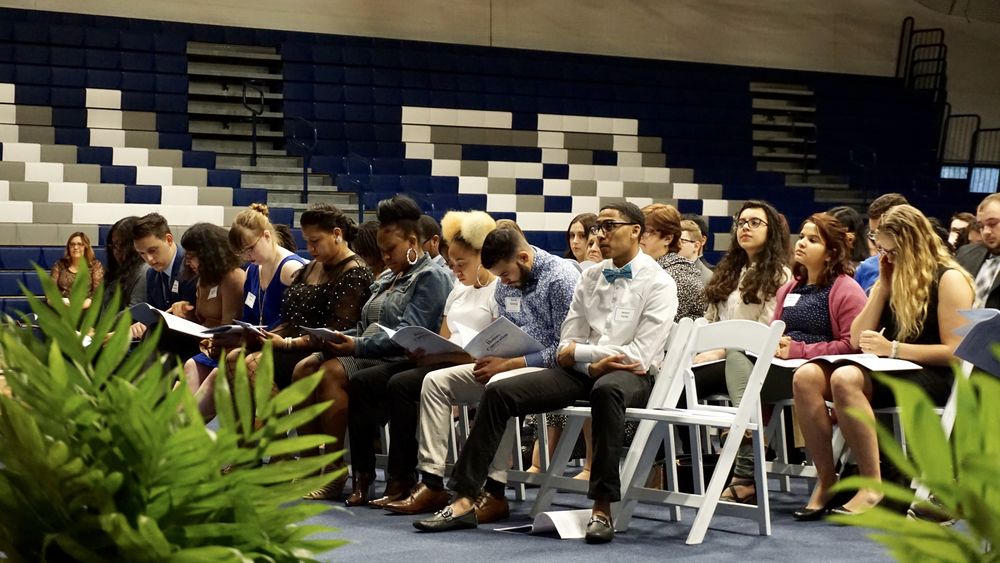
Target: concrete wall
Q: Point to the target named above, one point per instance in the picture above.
(849, 36)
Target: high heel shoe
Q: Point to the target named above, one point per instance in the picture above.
(332, 490)
(363, 488)
(395, 489)
(806, 514)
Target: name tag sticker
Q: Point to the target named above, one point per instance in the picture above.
(176, 288)
(213, 293)
(513, 304)
(250, 300)
(791, 299)
(624, 315)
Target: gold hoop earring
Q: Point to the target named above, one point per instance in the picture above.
(479, 283)
(414, 260)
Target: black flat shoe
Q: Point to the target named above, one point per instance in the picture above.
(446, 521)
(810, 514)
(599, 530)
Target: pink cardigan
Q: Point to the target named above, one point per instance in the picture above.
(846, 301)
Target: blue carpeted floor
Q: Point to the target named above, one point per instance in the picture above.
(374, 535)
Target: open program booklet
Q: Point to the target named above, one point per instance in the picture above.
(148, 315)
(502, 339)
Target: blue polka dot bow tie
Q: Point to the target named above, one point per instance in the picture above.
(612, 274)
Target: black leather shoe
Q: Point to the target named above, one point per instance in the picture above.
(446, 521)
(599, 530)
(810, 514)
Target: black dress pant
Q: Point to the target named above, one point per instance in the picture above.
(369, 410)
(548, 390)
(403, 394)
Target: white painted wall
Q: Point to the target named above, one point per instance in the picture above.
(852, 36)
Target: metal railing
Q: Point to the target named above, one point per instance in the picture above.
(359, 171)
(256, 110)
(308, 147)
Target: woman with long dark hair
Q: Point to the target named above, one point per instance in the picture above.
(744, 287)
(65, 269)
(126, 269)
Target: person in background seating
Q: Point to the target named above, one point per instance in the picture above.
(856, 230)
(576, 236)
(411, 292)
(744, 286)
(365, 245)
(270, 271)
(959, 223)
(867, 272)
(911, 313)
(434, 244)
(982, 259)
(702, 238)
(126, 270)
(65, 269)
(611, 341)
(661, 241)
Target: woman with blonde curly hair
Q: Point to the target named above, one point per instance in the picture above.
(911, 314)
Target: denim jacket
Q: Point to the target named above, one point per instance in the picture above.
(417, 299)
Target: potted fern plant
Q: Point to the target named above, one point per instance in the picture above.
(960, 472)
(104, 458)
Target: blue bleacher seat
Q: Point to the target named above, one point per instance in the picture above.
(230, 178)
(15, 306)
(143, 194)
(136, 42)
(537, 238)
(51, 255)
(174, 64)
(199, 159)
(138, 101)
(171, 83)
(95, 155)
(281, 215)
(179, 141)
(138, 81)
(72, 136)
(33, 284)
(444, 185)
(20, 257)
(31, 54)
(32, 95)
(10, 283)
(171, 123)
(528, 186)
(67, 35)
(415, 184)
(245, 196)
(69, 117)
(110, 79)
(104, 58)
(98, 37)
(174, 103)
(385, 183)
(118, 175)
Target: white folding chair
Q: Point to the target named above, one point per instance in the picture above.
(553, 478)
(759, 340)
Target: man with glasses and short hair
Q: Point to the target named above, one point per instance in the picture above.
(867, 273)
(612, 342)
(982, 259)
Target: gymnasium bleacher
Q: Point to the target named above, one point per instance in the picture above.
(104, 117)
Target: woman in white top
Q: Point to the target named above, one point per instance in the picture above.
(744, 287)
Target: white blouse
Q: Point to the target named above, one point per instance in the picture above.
(470, 306)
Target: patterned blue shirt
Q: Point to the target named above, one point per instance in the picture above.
(540, 305)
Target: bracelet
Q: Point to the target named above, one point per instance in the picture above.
(894, 352)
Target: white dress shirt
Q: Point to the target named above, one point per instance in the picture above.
(628, 316)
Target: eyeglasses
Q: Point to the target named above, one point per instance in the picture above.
(754, 223)
(607, 227)
(77, 244)
(247, 249)
(890, 253)
(871, 236)
(689, 241)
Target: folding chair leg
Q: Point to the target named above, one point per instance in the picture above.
(635, 471)
(760, 483)
(557, 465)
(715, 485)
(519, 489)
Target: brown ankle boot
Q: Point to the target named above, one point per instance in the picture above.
(395, 489)
(361, 492)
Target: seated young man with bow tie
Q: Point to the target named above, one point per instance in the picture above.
(612, 338)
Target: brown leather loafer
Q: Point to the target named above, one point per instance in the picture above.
(395, 489)
(422, 499)
(491, 509)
